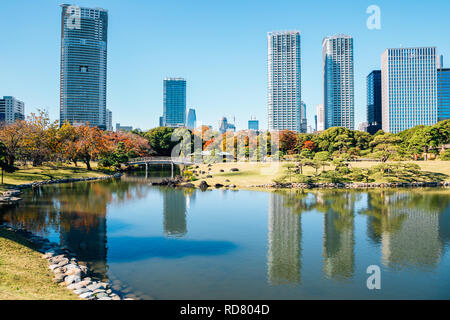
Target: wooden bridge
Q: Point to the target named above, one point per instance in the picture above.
(172, 161)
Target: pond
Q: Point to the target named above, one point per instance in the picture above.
(162, 243)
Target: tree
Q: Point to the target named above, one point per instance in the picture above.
(4, 165)
(385, 146)
(40, 139)
(288, 141)
(90, 144)
(12, 136)
(160, 140)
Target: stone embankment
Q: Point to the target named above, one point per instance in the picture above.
(355, 185)
(69, 272)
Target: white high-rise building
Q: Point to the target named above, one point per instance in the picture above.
(320, 118)
(338, 77)
(11, 110)
(409, 88)
(284, 87)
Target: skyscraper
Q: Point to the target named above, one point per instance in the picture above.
(320, 117)
(191, 119)
(409, 88)
(174, 102)
(303, 120)
(109, 126)
(11, 110)
(284, 87)
(338, 81)
(443, 93)
(223, 125)
(253, 124)
(374, 101)
(84, 41)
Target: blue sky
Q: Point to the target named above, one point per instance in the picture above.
(220, 47)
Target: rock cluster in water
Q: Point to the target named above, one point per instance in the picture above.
(68, 271)
(10, 197)
(353, 185)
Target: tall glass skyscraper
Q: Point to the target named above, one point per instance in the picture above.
(374, 101)
(191, 119)
(338, 81)
(303, 120)
(443, 88)
(284, 68)
(84, 41)
(174, 102)
(409, 88)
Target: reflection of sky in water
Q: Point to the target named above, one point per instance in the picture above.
(176, 244)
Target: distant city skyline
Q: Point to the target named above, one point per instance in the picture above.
(235, 86)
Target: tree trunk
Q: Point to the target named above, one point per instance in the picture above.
(87, 161)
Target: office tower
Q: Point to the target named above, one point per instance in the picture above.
(284, 68)
(320, 117)
(443, 93)
(191, 119)
(338, 81)
(174, 102)
(315, 122)
(109, 126)
(223, 125)
(83, 66)
(303, 121)
(409, 88)
(161, 121)
(253, 124)
(374, 101)
(11, 110)
(123, 128)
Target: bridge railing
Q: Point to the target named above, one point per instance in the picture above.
(160, 159)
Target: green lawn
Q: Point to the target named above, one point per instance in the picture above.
(251, 173)
(24, 275)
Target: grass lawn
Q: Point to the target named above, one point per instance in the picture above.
(24, 275)
(28, 174)
(253, 173)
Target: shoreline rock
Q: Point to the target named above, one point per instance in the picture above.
(68, 271)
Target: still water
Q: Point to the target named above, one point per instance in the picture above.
(165, 243)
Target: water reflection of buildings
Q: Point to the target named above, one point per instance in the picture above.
(285, 233)
(409, 229)
(338, 240)
(174, 210)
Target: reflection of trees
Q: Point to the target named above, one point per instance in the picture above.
(284, 240)
(174, 210)
(407, 224)
(77, 212)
